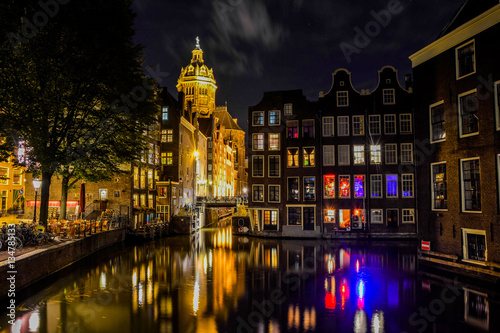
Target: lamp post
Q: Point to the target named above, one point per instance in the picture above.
(194, 215)
(36, 185)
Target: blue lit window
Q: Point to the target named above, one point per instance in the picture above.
(392, 186)
(407, 183)
(359, 186)
(164, 113)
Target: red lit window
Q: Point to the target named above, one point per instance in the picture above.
(330, 186)
(344, 186)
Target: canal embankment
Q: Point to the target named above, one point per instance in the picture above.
(38, 264)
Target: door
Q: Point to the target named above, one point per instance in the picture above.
(392, 218)
(308, 218)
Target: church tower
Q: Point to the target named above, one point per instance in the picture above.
(198, 84)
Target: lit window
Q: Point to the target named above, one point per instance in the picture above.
(163, 158)
(392, 186)
(407, 153)
(292, 129)
(471, 185)
(408, 215)
(309, 160)
(308, 129)
(329, 215)
(359, 186)
(293, 189)
(169, 158)
(274, 117)
(170, 135)
(327, 126)
(329, 186)
(293, 157)
(390, 124)
(375, 154)
(468, 121)
(16, 177)
(407, 184)
(374, 124)
(274, 141)
(258, 118)
(4, 176)
(343, 125)
(258, 193)
(342, 98)
(258, 166)
(377, 216)
(438, 132)
(389, 96)
(288, 109)
(270, 223)
(164, 113)
(376, 186)
(465, 60)
(309, 189)
(328, 155)
(439, 186)
(258, 141)
(274, 166)
(405, 123)
(359, 154)
(163, 135)
(358, 125)
(344, 218)
(274, 193)
(391, 156)
(344, 186)
(344, 153)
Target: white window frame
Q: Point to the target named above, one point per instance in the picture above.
(370, 121)
(257, 135)
(263, 166)
(387, 161)
(386, 116)
(457, 62)
(355, 120)
(269, 166)
(348, 155)
(327, 126)
(403, 149)
(164, 113)
(269, 141)
(354, 155)
(432, 106)
(411, 212)
(269, 193)
(263, 118)
(379, 154)
(325, 154)
(346, 97)
(392, 92)
(465, 250)
(380, 181)
(433, 207)
(403, 185)
(269, 118)
(304, 157)
(496, 86)
(460, 129)
(401, 123)
(387, 187)
(354, 186)
(381, 216)
(304, 189)
(350, 187)
(462, 190)
(263, 193)
(341, 123)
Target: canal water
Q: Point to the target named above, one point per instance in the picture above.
(217, 282)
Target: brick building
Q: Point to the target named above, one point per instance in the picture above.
(457, 84)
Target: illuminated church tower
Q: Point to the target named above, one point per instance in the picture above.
(198, 84)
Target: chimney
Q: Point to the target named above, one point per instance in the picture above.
(408, 81)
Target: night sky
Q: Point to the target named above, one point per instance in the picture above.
(264, 45)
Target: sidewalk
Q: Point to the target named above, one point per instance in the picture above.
(5, 254)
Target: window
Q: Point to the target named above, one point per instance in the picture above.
(408, 215)
(150, 178)
(274, 166)
(327, 126)
(308, 217)
(329, 215)
(309, 160)
(474, 244)
(471, 187)
(274, 118)
(358, 125)
(344, 158)
(308, 128)
(170, 135)
(258, 166)
(376, 186)
(143, 178)
(391, 186)
(329, 183)
(288, 109)
(116, 194)
(258, 141)
(274, 193)
(391, 156)
(294, 215)
(293, 157)
(439, 186)
(407, 153)
(390, 124)
(270, 220)
(328, 155)
(258, 193)
(407, 184)
(169, 158)
(16, 177)
(163, 158)
(374, 124)
(309, 189)
(359, 154)
(274, 141)
(389, 96)
(468, 121)
(164, 113)
(342, 98)
(209, 156)
(343, 125)
(359, 186)
(344, 218)
(438, 132)
(292, 129)
(405, 123)
(375, 154)
(497, 103)
(258, 118)
(466, 63)
(163, 135)
(377, 216)
(293, 189)
(345, 186)
(4, 176)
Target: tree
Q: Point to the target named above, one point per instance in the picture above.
(72, 85)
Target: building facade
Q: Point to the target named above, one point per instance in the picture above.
(457, 81)
(11, 187)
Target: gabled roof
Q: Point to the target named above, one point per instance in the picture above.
(226, 120)
(205, 125)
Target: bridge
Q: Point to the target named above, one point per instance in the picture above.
(210, 202)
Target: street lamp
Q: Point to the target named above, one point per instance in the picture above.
(36, 185)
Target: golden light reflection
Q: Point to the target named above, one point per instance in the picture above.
(34, 321)
(378, 322)
(196, 297)
(103, 281)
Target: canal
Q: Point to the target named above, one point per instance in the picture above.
(217, 282)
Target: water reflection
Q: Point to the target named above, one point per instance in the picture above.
(216, 282)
